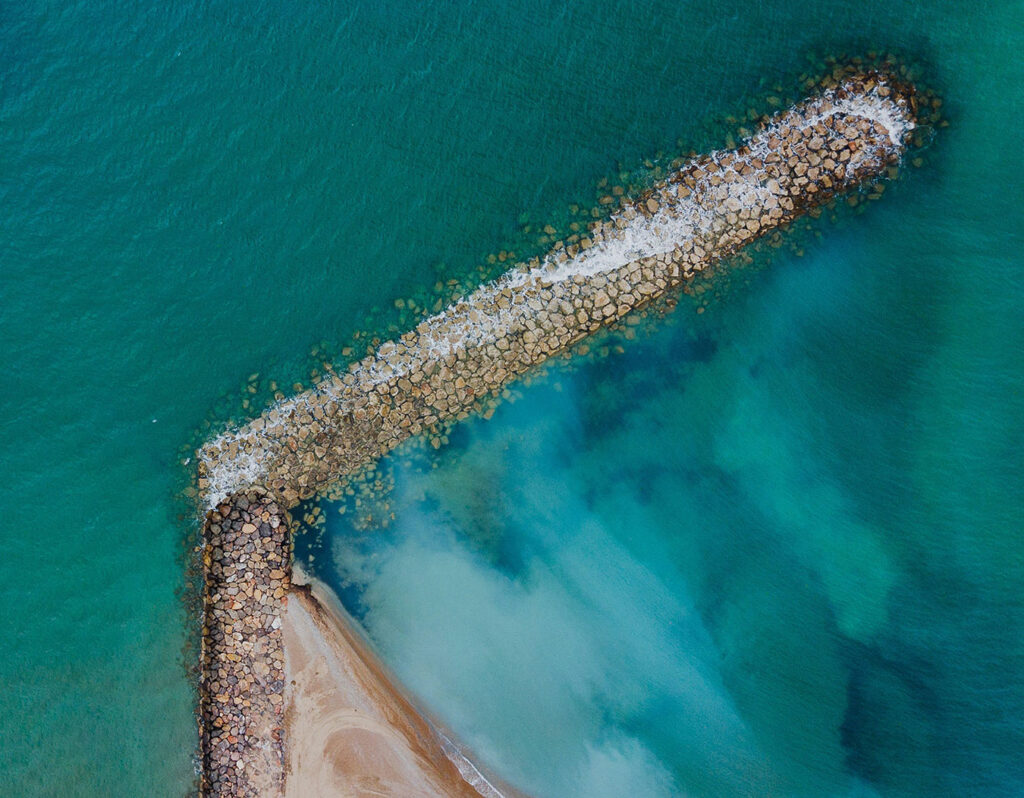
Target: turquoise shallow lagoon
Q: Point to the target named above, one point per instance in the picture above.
(771, 549)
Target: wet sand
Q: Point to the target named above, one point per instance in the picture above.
(349, 729)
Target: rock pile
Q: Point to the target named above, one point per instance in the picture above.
(247, 564)
(704, 211)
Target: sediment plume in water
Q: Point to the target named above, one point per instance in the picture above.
(703, 212)
(249, 477)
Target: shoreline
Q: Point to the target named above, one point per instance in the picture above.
(349, 721)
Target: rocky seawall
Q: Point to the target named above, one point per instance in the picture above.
(247, 567)
(248, 477)
(703, 212)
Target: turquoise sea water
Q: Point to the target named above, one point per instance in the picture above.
(773, 549)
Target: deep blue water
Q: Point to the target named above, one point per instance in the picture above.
(771, 549)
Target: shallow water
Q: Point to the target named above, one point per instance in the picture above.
(708, 566)
(785, 558)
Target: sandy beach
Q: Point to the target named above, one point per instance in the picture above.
(349, 729)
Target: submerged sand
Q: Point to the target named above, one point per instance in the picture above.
(350, 731)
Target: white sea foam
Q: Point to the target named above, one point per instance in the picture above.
(470, 773)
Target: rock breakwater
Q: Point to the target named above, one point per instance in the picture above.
(703, 212)
(247, 566)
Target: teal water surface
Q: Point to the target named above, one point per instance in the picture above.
(773, 549)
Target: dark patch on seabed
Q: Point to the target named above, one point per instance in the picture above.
(610, 386)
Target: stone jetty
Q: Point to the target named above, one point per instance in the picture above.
(701, 213)
(247, 564)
